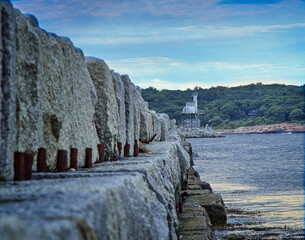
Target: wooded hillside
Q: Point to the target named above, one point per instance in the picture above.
(223, 107)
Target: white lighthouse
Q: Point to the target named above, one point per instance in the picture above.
(190, 113)
(191, 107)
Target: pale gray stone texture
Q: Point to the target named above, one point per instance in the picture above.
(106, 109)
(156, 125)
(7, 90)
(56, 97)
(133, 198)
(129, 112)
(120, 97)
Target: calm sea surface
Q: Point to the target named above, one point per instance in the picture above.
(260, 177)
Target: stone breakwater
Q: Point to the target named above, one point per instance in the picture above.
(60, 109)
(206, 132)
(133, 198)
(54, 98)
(152, 196)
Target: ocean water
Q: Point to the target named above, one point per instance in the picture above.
(260, 178)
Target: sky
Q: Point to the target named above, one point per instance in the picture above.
(180, 44)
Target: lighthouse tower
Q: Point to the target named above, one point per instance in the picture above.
(190, 113)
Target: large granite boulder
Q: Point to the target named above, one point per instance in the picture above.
(134, 199)
(53, 92)
(165, 123)
(167, 119)
(99, 206)
(146, 127)
(129, 112)
(139, 112)
(106, 109)
(156, 125)
(213, 204)
(120, 97)
(195, 223)
(149, 123)
(7, 90)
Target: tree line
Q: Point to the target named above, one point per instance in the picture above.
(233, 107)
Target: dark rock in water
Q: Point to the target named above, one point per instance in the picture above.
(195, 224)
(214, 205)
(188, 148)
(191, 192)
(202, 185)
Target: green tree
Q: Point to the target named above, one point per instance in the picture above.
(277, 113)
(296, 114)
(231, 109)
(262, 111)
(215, 121)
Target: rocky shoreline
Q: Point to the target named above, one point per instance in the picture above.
(206, 132)
(265, 129)
(201, 210)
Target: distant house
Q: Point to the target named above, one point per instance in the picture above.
(191, 107)
(252, 114)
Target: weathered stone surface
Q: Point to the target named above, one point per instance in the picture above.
(194, 187)
(162, 171)
(184, 164)
(173, 125)
(120, 97)
(188, 148)
(149, 123)
(129, 112)
(19, 228)
(193, 175)
(139, 112)
(206, 132)
(167, 119)
(55, 96)
(146, 127)
(120, 207)
(156, 126)
(107, 113)
(212, 203)
(195, 223)
(191, 192)
(129, 199)
(164, 128)
(7, 90)
(201, 184)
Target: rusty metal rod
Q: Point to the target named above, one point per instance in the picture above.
(62, 160)
(41, 160)
(73, 158)
(101, 152)
(88, 163)
(119, 148)
(126, 150)
(136, 149)
(28, 162)
(19, 173)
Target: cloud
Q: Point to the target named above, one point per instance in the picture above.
(161, 73)
(199, 9)
(178, 34)
(255, 2)
(145, 66)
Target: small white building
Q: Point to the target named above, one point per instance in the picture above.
(191, 107)
(190, 113)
